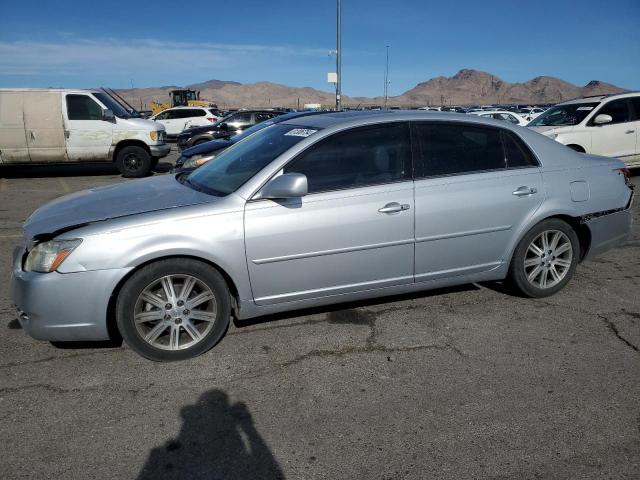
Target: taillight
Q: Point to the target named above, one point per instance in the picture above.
(212, 119)
(627, 176)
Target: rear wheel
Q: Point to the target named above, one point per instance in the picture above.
(133, 162)
(173, 309)
(545, 259)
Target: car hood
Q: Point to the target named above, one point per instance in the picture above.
(204, 129)
(551, 129)
(207, 147)
(138, 124)
(112, 201)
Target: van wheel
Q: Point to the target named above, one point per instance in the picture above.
(133, 162)
(545, 259)
(173, 309)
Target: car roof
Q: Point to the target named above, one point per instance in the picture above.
(486, 112)
(356, 118)
(599, 98)
(62, 90)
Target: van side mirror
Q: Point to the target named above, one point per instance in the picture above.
(602, 119)
(289, 185)
(108, 116)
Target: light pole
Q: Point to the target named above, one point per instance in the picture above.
(338, 58)
(386, 81)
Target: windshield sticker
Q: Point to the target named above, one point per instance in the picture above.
(584, 108)
(300, 132)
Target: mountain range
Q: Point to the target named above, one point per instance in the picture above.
(467, 87)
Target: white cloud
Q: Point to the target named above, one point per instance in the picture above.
(89, 57)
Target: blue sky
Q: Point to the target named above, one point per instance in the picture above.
(88, 44)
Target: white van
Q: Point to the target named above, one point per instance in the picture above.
(39, 126)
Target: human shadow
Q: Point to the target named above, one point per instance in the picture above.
(217, 441)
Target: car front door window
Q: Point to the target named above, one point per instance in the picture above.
(365, 156)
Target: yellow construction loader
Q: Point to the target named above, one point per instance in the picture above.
(181, 98)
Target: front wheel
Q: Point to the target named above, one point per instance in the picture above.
(545, 259)
(173, 309)
(133, 162)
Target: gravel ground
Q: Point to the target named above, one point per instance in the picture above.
(460, 383)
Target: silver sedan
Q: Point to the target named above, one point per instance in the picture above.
(314, 211)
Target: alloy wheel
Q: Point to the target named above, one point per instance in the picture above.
(548, 259)
(175, 312)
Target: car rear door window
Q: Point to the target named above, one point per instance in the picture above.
(360, 157)
(450, 149)
(83, 107)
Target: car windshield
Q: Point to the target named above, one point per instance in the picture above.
(560, 115)
(234, 166)
(117, 109)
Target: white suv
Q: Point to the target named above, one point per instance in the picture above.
(603, 125)
(177, 119)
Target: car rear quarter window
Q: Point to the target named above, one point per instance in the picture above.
(516, 153)
(360, 157)
(83, 107)
(451, 149)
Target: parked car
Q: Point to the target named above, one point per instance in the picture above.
(530, 113)
(313, 211)
(602, 125)
(225, 127)
(198, 155)
(501, 115)
(177, 119)
(42, 126)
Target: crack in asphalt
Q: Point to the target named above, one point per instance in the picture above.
(53, 358)
(614, 329)
(370, 349)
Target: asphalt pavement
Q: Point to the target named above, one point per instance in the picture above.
(461, 383)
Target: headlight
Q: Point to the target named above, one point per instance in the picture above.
(552, 136)
(155, 135)
(48, 256)
(197, 160)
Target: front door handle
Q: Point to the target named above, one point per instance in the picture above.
(394, 207)
(630, 131)
(523, 191)
(33, 135)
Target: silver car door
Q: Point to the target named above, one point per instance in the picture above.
(354, 230)
(469, 205)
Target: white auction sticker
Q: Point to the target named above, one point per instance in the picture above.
(300, 132)
(584, 108)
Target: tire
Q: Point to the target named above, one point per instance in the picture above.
(545, 273)
(173, 327)
(133, 162)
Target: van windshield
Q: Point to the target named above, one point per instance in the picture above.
(237, 164)
(117, 109)
(564, 115)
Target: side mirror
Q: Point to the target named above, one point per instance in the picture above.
(224, 126)
(602, 119)
(108, 116)
(289, 185)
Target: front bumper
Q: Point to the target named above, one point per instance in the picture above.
(159, 151)
(63, 306)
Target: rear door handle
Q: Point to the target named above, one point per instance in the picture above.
(630, 131)
(523, 191)
(394, 207)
